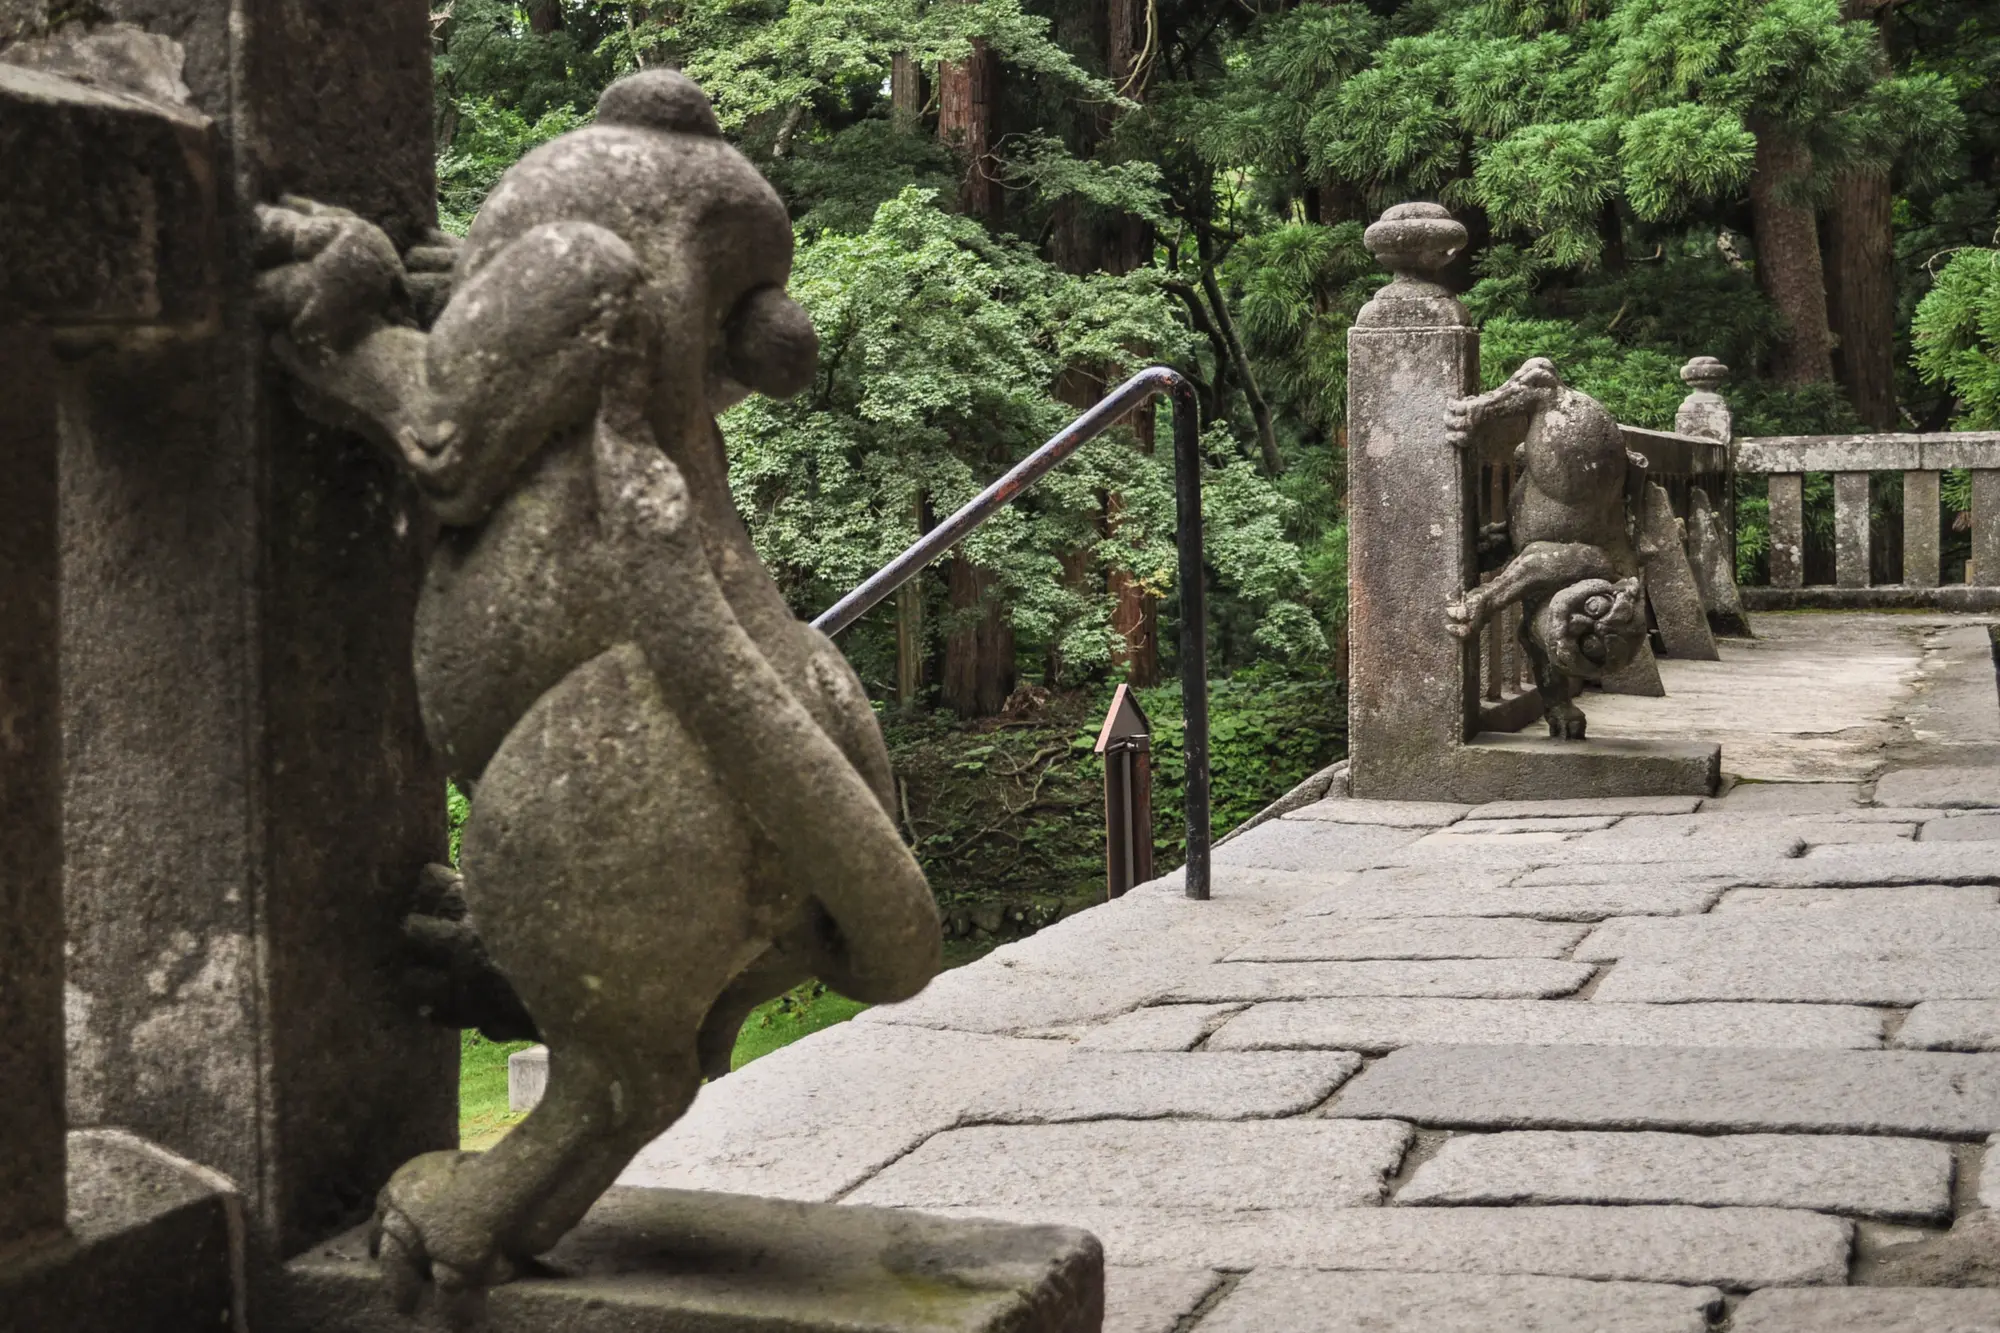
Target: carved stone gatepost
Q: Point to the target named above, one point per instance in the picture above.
(1413, 704)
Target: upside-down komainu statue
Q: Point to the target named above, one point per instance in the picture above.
(1574, 528)
(682, 803)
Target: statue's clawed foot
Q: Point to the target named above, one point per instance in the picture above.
(423, 1234)
(1566, 721)
(1467, 616)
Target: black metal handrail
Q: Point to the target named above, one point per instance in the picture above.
(1147, 384)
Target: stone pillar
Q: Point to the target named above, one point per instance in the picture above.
(1985, 569)
(31, 929)
(1850, 529)
(1788, 530)
(1704, 412)
(1920, 529)
(248, 795)
(1413, 686)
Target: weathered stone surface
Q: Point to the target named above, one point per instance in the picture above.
(1786, 491)
(1920, 528)
(1610, 1087)
(1563, 901)
(1876, 1309)
(1494, 765)
(818, 1117)
(1839, 864)
(1586, 805)
(1737, 851)
(1481, 840)
(741, 1262)
(154, 1246)
(1503, 978)
(1538, 824)
(1809, 977)
(1729, 1247)
(1312, 845)
(1317, 1302)
(1772, 936)
(1713, 561)
(1389, 814)
(1378, 1025)
(1330, 938)
(527, 1077)
(1671, 587)
(1901, 1180)
(1148, 1164)
(1785, 798)
(1153, 1300)
(1640, 882)
(1165, 1027)
(1157, 1085)
(1946, 788)
(1907, 898)
(1951, 1025)
(1965, 828)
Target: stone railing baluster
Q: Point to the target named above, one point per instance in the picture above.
(1984, 567)
(1920, 528)
(1850, 529)
(1788, 530)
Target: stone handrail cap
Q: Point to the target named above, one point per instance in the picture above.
(1415, 241)
(1704, 372)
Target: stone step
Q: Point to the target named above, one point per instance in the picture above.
(1323, 938)
(1922, 1093)
(1296, 1301)
(1150, 1085)
(1499, 978)
(1898, 1180)
(1376, 1025)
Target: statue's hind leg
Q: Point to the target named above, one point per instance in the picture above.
(611, 879)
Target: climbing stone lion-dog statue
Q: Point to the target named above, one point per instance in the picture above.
(1578, 548)
(683, 799)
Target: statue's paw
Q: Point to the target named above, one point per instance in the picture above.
(327, 274)
(1461, 419)
(1466, 616)
(1566, 722)
(425, 1230)
(427, 275)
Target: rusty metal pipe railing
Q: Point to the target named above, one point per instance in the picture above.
(1147, 384)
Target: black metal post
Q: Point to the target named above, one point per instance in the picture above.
(1194, 632)
(1148, 383)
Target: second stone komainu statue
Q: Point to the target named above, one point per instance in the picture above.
(682, 799)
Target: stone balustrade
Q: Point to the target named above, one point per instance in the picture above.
(1785, 459)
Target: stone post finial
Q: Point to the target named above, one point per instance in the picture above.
(1704, 411)
(1415, 242)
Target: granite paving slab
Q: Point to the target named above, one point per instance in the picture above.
(1909, 898)
(1946, 787)
(1898, 1180)
(1492, 896)
(816, 1118)
(1152, 1085)
(1312, 845)
(1378, 1025)
(1630, 1087)
(1299, 1301)
(1587, 805)
(1963, 828)
(1951, 1025)
(1389, 814)
(1495, 978)
(1740, 846)
(1917, 863)
(1725, 1247)
(1857, 930)
(1807, 977)
(1153, 1300)
(1873, 1309)
(1785, 798)
(1458, 838)
(1167, 1027)
(1541, 824)
(1148, 1164)
(1638, 883)
(1328, 938)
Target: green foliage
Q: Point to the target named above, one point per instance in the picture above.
(489, 139)
(1957, 336)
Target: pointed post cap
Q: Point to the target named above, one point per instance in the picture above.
(1124, 722)
(1415, 242)
(1705, 373)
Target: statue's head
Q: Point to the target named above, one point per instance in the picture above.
(1592, 627)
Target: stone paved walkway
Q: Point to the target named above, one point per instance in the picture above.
(1657, 1064)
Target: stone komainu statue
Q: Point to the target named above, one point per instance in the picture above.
(1573, 528)
(682, 796)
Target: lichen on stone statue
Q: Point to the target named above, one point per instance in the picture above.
(1573, 541)
(682, 798)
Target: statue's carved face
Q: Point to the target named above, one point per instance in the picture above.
(1592, 627)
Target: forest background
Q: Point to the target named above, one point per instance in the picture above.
(1003, 207)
